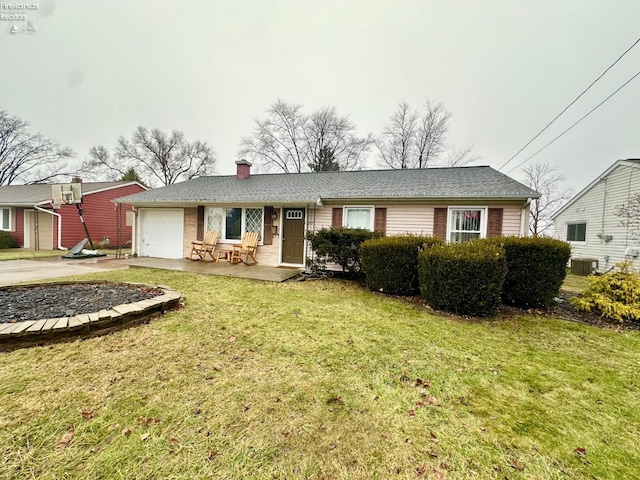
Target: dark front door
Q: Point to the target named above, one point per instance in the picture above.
(293, 235)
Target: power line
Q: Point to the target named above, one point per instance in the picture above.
(568, 106)
(576, 123)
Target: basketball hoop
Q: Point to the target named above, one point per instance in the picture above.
(66, 194)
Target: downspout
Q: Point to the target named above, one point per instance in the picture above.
(523, 218)
(134, 223)
(604, 205)
(60, 247)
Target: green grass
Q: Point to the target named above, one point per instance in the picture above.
(27, 254)
(575, 283)
(22, 253)
(318, 380)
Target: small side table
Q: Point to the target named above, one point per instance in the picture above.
(223, 255)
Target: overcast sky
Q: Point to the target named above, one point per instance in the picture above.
(96, 69)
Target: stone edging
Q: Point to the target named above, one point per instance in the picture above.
(34, 332)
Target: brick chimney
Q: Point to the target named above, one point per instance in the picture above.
(243, 169)
(76, 180)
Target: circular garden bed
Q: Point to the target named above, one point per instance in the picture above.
(39, 313)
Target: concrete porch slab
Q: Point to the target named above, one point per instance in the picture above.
(252, 272)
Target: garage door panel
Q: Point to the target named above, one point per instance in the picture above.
(162, 232)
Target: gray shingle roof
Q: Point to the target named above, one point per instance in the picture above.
(27, 195)
(430, 183)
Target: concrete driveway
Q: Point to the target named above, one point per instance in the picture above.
(16, 271)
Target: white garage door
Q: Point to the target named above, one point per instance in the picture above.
(161, 232)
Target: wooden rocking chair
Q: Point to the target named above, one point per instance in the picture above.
(247, 249)
(205, 247)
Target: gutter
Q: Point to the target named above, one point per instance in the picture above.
(60, 247)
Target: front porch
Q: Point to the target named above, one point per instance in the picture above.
(251, 272)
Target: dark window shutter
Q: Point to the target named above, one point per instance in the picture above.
(440, 223)
(200, 223)
(494, 224)
(380, 220)
(267, 235)
(336, 218)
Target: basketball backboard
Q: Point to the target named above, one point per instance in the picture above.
(66, 193)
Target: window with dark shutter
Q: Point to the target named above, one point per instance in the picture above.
(200, 223)
(440, 223)
(267, 236)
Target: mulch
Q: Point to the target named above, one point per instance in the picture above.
(54, 301)
(563, 309)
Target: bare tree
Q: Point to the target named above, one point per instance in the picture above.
(415, 139)
(398, 140)
(327, 132)
(458, 157)
(288, 140)
(27, 157)
(278, 142)
(159, 157)
(629, 213)
(547, 181)
(433, 127)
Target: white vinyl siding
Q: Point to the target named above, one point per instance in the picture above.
(418, 218)
(596, 207)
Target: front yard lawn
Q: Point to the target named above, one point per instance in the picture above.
(25, 253)
(322, 380)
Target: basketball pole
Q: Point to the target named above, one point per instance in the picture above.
(84, 224)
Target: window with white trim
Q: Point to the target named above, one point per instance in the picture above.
(466, 224)
(253, 221)
(358, 217)
(232, 222)
(5, 219)
(577, 232)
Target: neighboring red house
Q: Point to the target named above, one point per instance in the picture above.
(27, 213)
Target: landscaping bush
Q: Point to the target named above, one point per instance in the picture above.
(391, 263)
(464, 278)
(536, 268)
(615, 295)
(341, 246)
(5, 240)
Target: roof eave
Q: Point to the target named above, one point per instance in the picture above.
(597, 180)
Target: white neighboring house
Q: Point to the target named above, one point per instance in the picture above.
(589, 221)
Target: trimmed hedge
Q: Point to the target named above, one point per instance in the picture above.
(536, 268)
(5, 240)
(341, 246)
(391, 263)
(464, 278)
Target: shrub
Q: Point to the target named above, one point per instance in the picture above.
(341, 246)
(464, 278)
(615, 295)
(536, 268)
(391, 263)
(5, 240)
